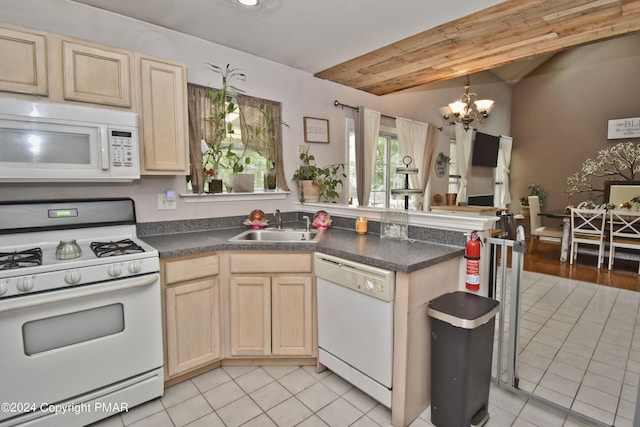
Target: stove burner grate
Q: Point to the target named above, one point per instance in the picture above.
(121, 247)
(19, 259)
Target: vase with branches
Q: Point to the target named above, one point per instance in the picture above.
(621, 162)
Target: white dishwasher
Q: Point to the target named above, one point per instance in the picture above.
(355, 323)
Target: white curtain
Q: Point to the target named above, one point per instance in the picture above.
(412, 138)
(506, 142)
(367, 131)
(463, 151)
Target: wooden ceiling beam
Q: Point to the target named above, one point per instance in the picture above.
(505, 33)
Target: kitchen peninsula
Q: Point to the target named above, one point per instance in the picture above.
(423, 271)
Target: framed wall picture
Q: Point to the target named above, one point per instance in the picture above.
(623, 128)
(316, 130)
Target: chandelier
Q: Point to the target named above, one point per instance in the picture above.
(462, 111)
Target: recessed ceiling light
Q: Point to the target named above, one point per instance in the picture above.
(248, 2)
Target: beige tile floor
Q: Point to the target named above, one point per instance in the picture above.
(580, 345)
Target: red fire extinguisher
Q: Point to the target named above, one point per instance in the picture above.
(473, 262)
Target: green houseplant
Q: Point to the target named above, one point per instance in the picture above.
(317, 183)
(533, 190)
(226, 106)
(221, 150)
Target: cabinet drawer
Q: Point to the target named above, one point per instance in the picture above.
(256, 262)
(191, 268)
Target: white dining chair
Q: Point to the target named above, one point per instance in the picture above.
(537, 229)
(588, 228)
(624, 232)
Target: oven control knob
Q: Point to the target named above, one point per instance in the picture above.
(3, 288)
(72, 277)
(25, 284)
(114, 270)
(135, 267)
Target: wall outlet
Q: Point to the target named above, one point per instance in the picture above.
(302, 149)
(165, 203)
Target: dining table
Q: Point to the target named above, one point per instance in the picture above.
(565, 242)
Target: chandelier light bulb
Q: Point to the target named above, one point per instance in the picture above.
(248, 2)
(457, 107)
(463, 111)
(484, 105)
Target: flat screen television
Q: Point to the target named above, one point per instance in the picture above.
(485, 150)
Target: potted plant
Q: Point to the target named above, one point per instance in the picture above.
(220, 151)
(270, 177)
(318, 183)
(235, 163)
(306, 174)
(329, 180)
(533, 190)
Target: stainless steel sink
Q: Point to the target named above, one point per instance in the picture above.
(274, 235)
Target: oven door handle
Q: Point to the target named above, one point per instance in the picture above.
(80, 292)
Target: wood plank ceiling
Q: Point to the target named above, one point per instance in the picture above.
(508, 32)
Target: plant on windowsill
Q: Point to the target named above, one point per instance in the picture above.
(219, 151)
(318, 183)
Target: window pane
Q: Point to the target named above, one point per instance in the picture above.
(454, 175)
(260, 140)
(385, 178)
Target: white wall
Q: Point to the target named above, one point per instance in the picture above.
(300, 93)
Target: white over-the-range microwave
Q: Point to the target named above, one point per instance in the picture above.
(48, 142)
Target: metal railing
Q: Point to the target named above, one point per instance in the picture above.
(502, 251)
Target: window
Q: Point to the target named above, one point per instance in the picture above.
(498, 179)
(388, 158)
(454, 174)
(254, 137)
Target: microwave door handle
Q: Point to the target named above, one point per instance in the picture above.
(104, 148)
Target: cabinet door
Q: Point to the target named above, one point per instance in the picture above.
(292, 317)
(250, 315)
(194, 324)
(163, 113)
(23, 67)
(96, 75)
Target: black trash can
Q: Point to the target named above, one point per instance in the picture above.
(462, 330)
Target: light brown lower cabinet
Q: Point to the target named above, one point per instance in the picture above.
(271, 315)
(193, 313)
(271, 305)
(250, 306)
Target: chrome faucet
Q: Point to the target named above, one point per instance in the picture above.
(308, 222)
(278, 219)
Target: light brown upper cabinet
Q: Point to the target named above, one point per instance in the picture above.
(162, 105)
(72, 70)
(96, 74)
(23, 68)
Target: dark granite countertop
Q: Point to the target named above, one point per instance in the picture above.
(403, 256)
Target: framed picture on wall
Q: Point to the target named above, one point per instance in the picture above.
(316, 130)
(623, 128)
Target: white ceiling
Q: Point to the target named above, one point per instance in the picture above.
(311, 35)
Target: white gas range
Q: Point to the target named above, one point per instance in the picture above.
(80, 312)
